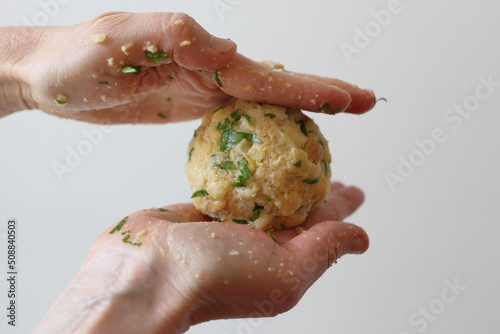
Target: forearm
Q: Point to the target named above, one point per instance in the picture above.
(119, 294)
(17, 44)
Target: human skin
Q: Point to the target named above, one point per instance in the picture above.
(38, 64)
(189, 270)
(174, 278)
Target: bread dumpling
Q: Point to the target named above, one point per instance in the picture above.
(258, 164)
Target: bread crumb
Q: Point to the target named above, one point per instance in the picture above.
(234, 252)
(111, 62)
(179, 23)
(150, 47)
(185, 43)
(212, 234)
(140, 234)
(98, 38)
(249, 88)
(85, 99)
(126, 47)
(62, 98)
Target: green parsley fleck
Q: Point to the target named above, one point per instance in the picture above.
(240, 221)
(156, 56)
(227, 165)
(325, 107)
(200, 193)
(169, 99)
(60, 101)
(325, 164)
(231, 138)
(235, 115)
(309, 181)
(303, 127)
(175, 221)
(271, 116)
(336, 111)
(249, 120)
(269, 234)
(242, 166)
(125, 240)
(119, 226)
(190, 153)
(240, 181)
(131, 69)
(270, 199)
(162, 115)
(162, 209)
(200, 70)
(256, 211)
(321, 143)
(217, 80)
(298, 163)
(103, 83)
(195, 134)
(218, 109)
(381, 99)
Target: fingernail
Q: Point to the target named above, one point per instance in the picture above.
(359, 244)
(220, 44)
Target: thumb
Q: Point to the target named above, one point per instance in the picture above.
(178, 34)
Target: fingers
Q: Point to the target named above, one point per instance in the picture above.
(318, 248)
(341, 203)
(249, 80)
(166, 37)
(362, 99)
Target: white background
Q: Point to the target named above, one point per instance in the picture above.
(440, 224)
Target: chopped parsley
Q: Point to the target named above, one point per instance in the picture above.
(271, 116)
(175, 221)
(303, 127)
(217, 80)
(169, 99)
(240, 221)
(162, 209)
(218, 109)
(245, 173)
(231, 138)
(256, 211)
(190, 153)
(309, 181)
(125, 240)
(381, 99)
(162, 115)
(336, 111)
(235, 115)
(248, 119)
(195, 134)
(325, 164)
(156, 56)
(227, 165)
(200, 193)
(242, 166)
(119, 226)
(325, 107)
(270, 199)
(269, 234)
(60, 101)
(321, 143)
(131, 69)
(103, 83)
(298, 163)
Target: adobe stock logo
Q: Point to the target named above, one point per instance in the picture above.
(454, 117)
(49, 9)
(373, 28)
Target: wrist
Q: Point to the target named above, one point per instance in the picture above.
(16, 46)
(122, 289)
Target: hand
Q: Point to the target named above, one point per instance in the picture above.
(176, 268)
(67, 74)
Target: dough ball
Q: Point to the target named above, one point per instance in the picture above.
(258, 164)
